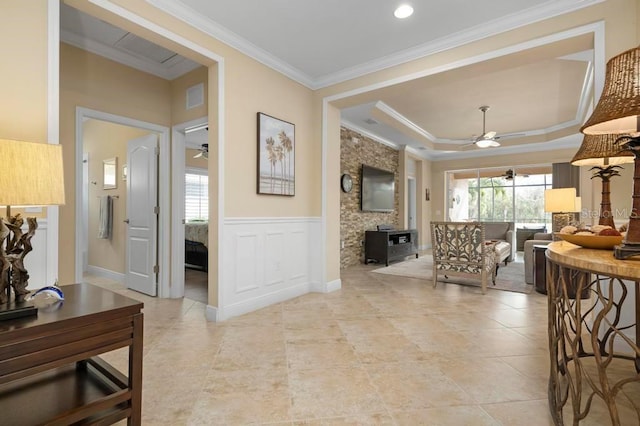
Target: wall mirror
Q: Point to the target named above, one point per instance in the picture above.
(109, 167)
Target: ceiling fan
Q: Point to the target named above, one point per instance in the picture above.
(509, 174)
(204, 151)
(486, 139)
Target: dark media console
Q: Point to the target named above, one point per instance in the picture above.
(386, 245)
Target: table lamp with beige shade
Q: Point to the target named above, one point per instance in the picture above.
(563, 204)
(32, 175)
(605, 155)
(618, 113)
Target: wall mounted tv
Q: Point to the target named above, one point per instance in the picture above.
(377, 190)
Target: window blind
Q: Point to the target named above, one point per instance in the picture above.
(196, 197)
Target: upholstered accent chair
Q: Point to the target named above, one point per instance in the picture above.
(461, 249)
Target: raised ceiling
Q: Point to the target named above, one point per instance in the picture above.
(537, 96)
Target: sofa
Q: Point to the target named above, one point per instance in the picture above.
(539, 238)
(503, 233)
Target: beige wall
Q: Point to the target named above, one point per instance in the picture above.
(93, 82)
(23, 104)
(103, 140)
(179, 86)
(250, 87)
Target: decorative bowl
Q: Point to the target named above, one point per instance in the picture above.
(602, 242)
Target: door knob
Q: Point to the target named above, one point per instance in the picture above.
(126, 221)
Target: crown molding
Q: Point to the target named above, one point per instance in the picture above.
(189, 16)
(550, 9)
(386, 109)
(364, 132)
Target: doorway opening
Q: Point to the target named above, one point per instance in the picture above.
(92, 186)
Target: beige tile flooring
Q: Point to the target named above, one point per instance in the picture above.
(383, 350)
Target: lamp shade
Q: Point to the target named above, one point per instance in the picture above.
(601, 150)
(578, 205)
(618, 110)
(32, 174)
(560, 200)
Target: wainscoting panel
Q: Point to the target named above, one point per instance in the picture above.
(246, 269)
(275, 252)
(300, 260)
(267, 261)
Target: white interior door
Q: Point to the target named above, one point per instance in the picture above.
(411, 207)
(142, 215)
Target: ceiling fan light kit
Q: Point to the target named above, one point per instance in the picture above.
(486, 139)
(487, 143)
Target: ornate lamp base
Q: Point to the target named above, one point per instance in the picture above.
(560, 220)
(631, 243)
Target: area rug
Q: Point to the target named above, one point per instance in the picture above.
(509, 278)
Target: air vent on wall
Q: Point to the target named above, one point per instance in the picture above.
(195, 96)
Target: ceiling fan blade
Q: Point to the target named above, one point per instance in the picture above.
(489, 135)
(198, 155)
(511, 135)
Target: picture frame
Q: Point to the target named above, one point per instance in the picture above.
(276, 156)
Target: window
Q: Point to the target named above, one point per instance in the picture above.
(491, 195)
(196, 195)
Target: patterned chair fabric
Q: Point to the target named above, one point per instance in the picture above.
(460, 248)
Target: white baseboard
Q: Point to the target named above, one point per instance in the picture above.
(253, 304)
(105, 273)
(326, 287)
(211, 313)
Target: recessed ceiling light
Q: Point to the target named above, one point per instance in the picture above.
(403, 11)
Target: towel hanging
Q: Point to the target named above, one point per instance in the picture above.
(105, 222)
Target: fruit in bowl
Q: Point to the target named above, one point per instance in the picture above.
(610, 232)
(597, 237)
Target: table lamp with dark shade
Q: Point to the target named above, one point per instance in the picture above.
(618, 113)
(605, 155)
(32, 175)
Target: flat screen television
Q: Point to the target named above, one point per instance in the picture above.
(377, 190)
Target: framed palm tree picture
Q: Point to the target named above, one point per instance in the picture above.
(276, 156)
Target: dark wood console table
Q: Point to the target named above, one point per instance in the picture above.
(49, 369)
(594, 341)
(383, 246)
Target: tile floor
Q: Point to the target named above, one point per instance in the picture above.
(383, 350)
(196, 285)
